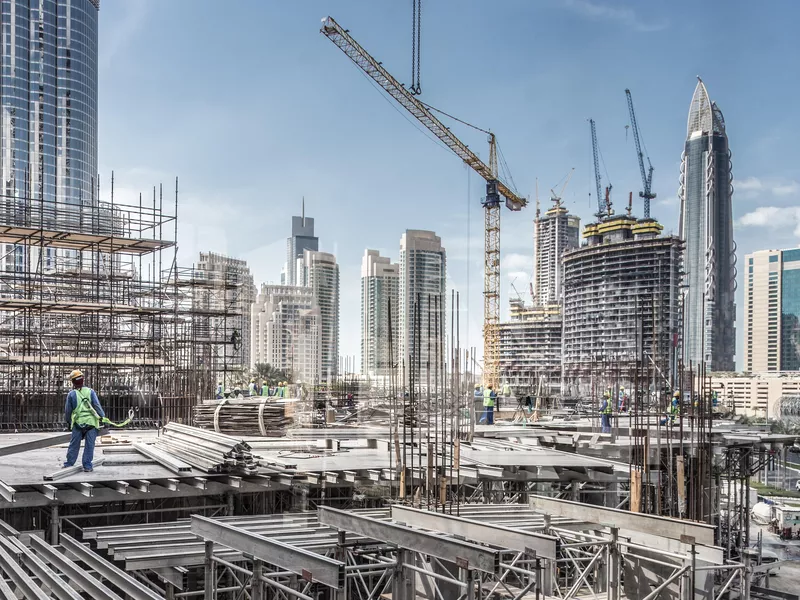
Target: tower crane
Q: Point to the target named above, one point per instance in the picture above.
(495, 188)
(647, 177)
(556, 198)
(602, 209)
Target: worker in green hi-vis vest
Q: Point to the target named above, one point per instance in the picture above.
(84, 414)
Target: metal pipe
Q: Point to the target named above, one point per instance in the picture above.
(666, 582)
(434, 575)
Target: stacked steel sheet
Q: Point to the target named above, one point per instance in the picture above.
(245, 416)
(207, 450)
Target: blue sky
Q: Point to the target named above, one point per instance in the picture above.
(253, 109)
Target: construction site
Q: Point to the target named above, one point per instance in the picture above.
(583, 457)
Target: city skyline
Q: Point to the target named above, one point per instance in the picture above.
(354, 126)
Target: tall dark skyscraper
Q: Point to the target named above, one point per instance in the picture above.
(48, 104)
(302, 239)
(706, 225)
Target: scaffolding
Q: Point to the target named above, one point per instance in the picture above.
(96, 287)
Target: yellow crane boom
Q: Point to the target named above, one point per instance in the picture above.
(494, 187)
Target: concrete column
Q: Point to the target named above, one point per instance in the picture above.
(229, 500)
(170, 592)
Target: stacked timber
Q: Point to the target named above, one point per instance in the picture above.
(207, 450)
(267, 416)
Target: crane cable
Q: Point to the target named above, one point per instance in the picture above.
(416, 35)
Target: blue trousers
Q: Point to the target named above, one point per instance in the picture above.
(605, 421)
(488, 415)
(78, 434)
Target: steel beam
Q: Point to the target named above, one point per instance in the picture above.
(75, 574)
(46, 442)
(674, 529)
(115, 575)
(57, 586)
(466, 554)
(544, 546)
(164, 459)
(7, 492)
(22, 581)
(73, 470)
(48, 491)
(305, 563)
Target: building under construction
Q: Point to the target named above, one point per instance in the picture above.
(622, 305)
(530, 347)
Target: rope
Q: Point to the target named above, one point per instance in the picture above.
(106, 421)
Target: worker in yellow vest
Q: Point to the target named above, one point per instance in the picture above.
(489, 396)
(84, 414)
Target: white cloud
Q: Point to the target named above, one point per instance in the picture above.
(755, 187)
(517, 262)
(773, 217)
(623, 16)
(788, 189)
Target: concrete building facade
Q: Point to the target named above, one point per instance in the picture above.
(530, 347)
(423, 272)
(320, 273)
(553, 234)
(286, 326)
(231, 299)
(706, 226)
(755, 394)
(380, 315)
(621, 299)
(772, 305)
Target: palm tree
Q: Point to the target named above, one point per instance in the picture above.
(266, 372)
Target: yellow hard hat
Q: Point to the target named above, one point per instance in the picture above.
(252, 381)
(76, 374)
(477, 386)
(677, 394)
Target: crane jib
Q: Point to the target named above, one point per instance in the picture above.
(341, 38)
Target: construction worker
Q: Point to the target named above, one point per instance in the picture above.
(606, 410)
(84, 414)
(252, 388)
(220, 390)
(237, 391)
(505, 392)
(264, 388)
(489, 396)
(226, 393)
(622, 399)
(674, 409)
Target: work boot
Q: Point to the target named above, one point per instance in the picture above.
(66, 466)
(87, 469)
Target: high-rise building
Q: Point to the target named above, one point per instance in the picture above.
(772, 300)
(302, 239)
(48, 99)
(380, 314)
(423, 272)
(231, 299)
(320, 273)
(553, 234)
(621, 301)
(286, 326)
(706, 226)
(530, 347)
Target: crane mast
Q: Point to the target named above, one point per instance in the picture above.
(647, 176)
(495, 188)
(600, 203)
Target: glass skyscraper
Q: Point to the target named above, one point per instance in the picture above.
(706, 225)
(48, 104)
(302, 239)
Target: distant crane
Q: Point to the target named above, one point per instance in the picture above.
(556, 198)
(602, 206)
(647, 176)
(495, 188)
